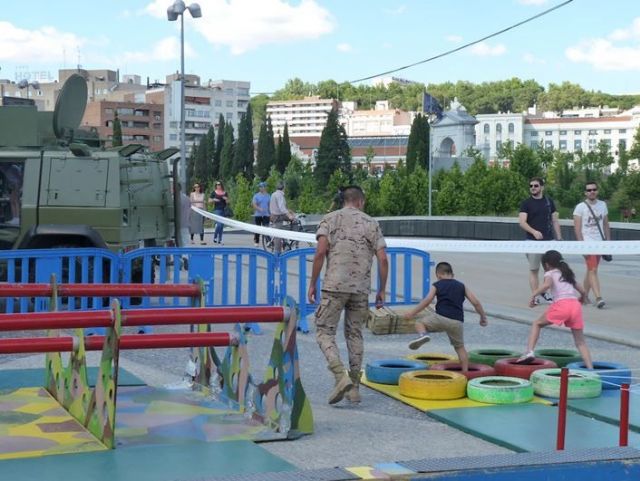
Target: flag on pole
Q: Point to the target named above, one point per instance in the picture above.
(430, 105)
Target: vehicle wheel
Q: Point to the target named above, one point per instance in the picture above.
(561, 357)
(508, 367)
(582, 384)
(611, 374)
(387, 371)
(267, 243)
(430, 358)
(490, 356)
(475, 370)
(433, 385)
(500, 390)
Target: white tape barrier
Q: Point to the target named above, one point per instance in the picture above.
(454, 245)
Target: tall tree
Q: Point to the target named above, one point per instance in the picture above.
(211, 152)
(418, 144)
(266, 149)
(226, 156)
(117, 132)
(284, 150)
(243, 154)
(333, 152)
(215, 171)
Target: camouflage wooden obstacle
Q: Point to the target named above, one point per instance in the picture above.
(278, 402)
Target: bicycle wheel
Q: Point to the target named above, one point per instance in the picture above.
(267, 243)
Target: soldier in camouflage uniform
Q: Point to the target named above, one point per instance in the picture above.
(348, 239)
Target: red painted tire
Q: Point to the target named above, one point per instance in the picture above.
(507, 367)
(475, 370)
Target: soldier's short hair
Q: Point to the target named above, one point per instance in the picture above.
(352, 193)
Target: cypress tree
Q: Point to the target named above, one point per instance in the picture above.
(266, 151)
(284, 152)
(243, 155)
(226, 156)
(418, 144)
(215, 171)
(333, 152)
(211, 152)
(117, 132)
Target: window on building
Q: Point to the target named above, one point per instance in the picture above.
(511, 128)
(563, 145)
(173, 137)
(229, 115)
(534, 145)
(108, 111)
(622, 131)
(498, 145)
(486, 128)
(548, 144)
(218, 103)
(228, 91)
(607, 131)
(563, 132)
(498, 128)
(242, 91)
(622, 144)
(229, 103)
(592, 144)
(548, 133)
(607, 142)
(534, 133)
(593, 132)
(577, 132)
(577, 145)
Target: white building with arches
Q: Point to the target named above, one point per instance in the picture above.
(451, 135)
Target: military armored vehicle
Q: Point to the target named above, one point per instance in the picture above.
(59, 188)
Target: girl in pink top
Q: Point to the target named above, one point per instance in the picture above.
(566, 308)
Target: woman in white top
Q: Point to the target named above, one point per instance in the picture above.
(196, 221)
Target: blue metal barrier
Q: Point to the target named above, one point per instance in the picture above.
(404, 264)
(74, 265)
(232, 276)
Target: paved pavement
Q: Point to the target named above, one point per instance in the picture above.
(382, 429)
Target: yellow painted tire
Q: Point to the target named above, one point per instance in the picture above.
(433, 385)
(430, 358)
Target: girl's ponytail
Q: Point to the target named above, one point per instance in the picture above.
(554, 260)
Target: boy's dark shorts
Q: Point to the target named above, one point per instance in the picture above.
(434, 322)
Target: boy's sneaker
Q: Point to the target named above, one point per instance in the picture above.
(526, 358)
(416, 343)
(600, 302)
(547, 297)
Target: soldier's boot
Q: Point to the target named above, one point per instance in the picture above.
(353, 394)
(343, 382)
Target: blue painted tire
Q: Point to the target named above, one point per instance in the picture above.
(612, 374)
(387, 371)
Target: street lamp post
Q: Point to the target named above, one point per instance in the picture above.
(173, 12)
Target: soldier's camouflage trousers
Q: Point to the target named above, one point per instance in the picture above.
(327, 318)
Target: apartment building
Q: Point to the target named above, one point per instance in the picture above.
(142, 123)
(571, 131)
(381, 121)
(203, 106)
(305, 118)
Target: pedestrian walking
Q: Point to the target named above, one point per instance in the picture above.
(260, 204)
(565, 310)
(591, 223)
(539, 219)
(348, 239)
(196, 221)
(220, 200)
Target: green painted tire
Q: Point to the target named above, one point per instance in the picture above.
(431, 358)
(582, 384)
(561, 357)
(490, 356)
(500, 390)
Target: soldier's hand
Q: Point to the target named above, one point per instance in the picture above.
(311, 294)
(379, 299)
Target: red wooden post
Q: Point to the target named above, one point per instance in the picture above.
(562, 408)
(624, 415)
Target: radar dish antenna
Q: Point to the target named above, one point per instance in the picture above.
(70, 106)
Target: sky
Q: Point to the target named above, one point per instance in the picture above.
(590, 42)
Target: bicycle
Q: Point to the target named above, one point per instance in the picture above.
(296, 225)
